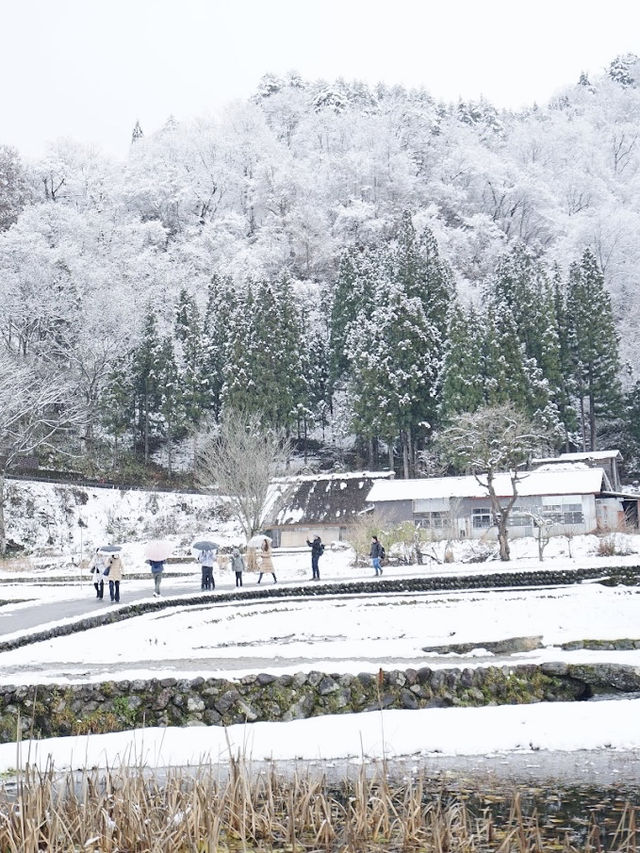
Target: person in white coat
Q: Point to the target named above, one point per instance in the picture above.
(115, 576)
(97, 566)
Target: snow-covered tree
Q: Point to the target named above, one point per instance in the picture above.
(239, 463)
(492, 440)
(593, 343)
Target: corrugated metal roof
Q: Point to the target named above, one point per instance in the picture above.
(587, 481)
(581, 456)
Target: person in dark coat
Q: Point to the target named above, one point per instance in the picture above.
(375, 552)
(157, 568)
(317, 550)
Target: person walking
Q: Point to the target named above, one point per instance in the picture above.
(114, 572)
(266, 561)
(376, 552)
(317, 550)
(157, 568)
(237, 564)
(207, 560)
(97, 566)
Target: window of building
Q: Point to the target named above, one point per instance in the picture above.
(481, 516)
(563, 510)
(432, 520)
(552, 513)
(518, 517)
(572, 514)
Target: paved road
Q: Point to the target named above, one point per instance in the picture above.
(81, 601)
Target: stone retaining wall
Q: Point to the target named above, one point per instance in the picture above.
(53, 710)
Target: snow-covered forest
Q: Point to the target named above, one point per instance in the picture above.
(359, 264)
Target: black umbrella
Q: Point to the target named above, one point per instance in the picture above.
(110, 549)
(205, 545)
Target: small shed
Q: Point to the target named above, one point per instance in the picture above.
(609, 460)
(319, 505)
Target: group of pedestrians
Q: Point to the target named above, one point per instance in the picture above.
(109, 566)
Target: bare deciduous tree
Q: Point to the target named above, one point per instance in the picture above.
(240, 463)
(34, 408)
(492, 440)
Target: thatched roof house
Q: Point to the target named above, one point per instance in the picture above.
(319, 505)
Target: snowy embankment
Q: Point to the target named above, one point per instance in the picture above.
(435, 732)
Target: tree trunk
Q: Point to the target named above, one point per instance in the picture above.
(503, 539)
(582, 424)
(540, 544)
(370, 452)
(501, 515)
(146, 427)
(405, 455)
(410, 452)
(592, 421)
(304, 421)
(390, 447)
(3, 532)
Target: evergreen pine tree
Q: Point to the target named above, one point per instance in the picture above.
(354, 291)
(118, 402)
(137, 133)
(420, 271)
(174, 398)
(593, 344)
(221, 306)
(147, 367)
(239, 371)
(510, 375)
(394, 371)
(461, 382)
(190, 356)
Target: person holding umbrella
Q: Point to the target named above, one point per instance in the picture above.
(207, 559)
(156, 554)
(157, 568)
(207, 551)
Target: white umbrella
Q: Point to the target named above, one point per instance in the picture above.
(257, 540)
(158, 550)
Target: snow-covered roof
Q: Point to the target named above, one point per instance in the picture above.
(575, 482)
(335, 475)
(596, 455)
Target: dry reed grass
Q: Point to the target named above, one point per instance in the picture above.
(16, 564)
(241, 810)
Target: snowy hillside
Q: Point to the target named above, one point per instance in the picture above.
(324, 244)
(48, 519)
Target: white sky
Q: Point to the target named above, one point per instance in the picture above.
(88, 69)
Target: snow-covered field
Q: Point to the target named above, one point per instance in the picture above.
(347, 634)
